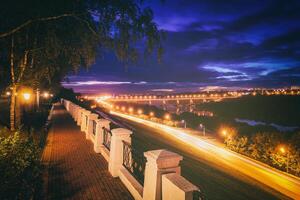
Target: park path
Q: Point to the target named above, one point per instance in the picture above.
(72, 169)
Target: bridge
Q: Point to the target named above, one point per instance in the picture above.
(165, 98)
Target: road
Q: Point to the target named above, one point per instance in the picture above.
(221, 174)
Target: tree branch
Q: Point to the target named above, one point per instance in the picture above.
(14, 30)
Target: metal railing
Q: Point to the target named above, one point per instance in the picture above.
(134, 162)
(94, 127)
(197, 195)
(106, 138)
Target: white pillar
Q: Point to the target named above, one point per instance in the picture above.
(75, 112)
(84, 120)
(98, 143)
(159, 162)
(80, 111)
(89, 132)
(116, 149)
(176, 187)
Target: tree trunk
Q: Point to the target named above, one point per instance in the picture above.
(12, 108)
(18, 114)
(14, 88)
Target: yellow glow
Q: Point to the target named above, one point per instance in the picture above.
(151, 114)
(167, 117)
(130, 109)
(8, 93)
(46, 95)
(140, 111)
(282, 150)
(123, 108)
(26, 96)
(224, 132)
(280, 181)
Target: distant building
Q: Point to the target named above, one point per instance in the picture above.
(295, 87)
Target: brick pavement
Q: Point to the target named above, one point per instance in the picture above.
(72, 169)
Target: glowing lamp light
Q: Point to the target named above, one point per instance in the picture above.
(130, 110)
(224, 132)
(8, 93)
(151, 114)
(26, 96)
(167, 117)
(282, 149)
(123, 108)
(140, 111)
(46, 95)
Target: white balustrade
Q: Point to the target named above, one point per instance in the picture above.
(116, 149)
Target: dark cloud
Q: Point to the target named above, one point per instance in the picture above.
(243, 43)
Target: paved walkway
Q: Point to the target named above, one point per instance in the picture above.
(72, 169)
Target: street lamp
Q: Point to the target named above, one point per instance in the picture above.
(46, 95)
(130, 109)
(224, 132)
(203, 127)
(284, 150)
(123, 108)
(183, 121)
(26, 96)
(167, 117)
(140, 111)
(151, 114)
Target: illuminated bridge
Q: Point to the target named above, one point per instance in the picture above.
(164, 98)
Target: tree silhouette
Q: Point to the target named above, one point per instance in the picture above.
(45, 40)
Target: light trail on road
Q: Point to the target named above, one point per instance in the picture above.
(280, 181)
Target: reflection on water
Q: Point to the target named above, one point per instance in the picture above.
(178, 107)
(256, 123)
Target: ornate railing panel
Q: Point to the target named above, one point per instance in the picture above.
(94, 127)
(134, 162)
(197, 195)
(106, 138)
(86, 121)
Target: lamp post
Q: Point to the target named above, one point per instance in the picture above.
(26, 97)
(184, 122)
(151, 114)
(140, 111)
(167, 117)
(283, 150)
(203, 128)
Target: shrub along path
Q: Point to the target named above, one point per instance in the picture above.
(72, 169)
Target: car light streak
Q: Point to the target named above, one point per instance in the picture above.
(286, 184)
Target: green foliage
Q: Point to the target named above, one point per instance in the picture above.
(52, 38)
(19, 167)
(265, 147)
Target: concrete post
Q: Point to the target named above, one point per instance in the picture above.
(159, 162)
(84, 120)
(89, 132)
(80, 113)
(75, 113)
(98, 143)
(176, 187)
(71, 109)
(116, 149)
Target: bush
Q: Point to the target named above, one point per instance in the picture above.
(20, 167)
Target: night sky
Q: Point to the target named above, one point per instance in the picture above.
(246, 43)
